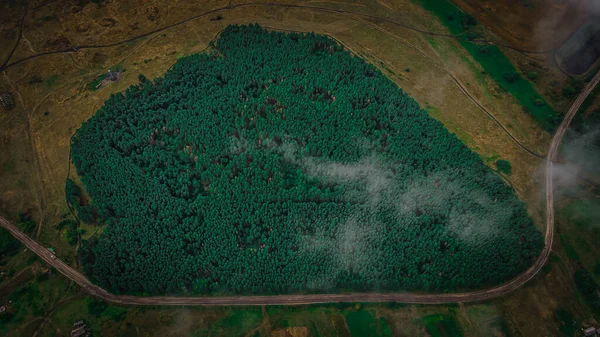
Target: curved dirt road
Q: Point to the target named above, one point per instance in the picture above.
(422, 298)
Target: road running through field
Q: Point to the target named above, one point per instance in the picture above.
(404, 297)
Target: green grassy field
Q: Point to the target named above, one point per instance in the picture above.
(364, 323)
(438, 325)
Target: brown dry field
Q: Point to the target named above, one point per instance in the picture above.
(34, 146)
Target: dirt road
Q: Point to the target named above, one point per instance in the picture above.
(422, 298)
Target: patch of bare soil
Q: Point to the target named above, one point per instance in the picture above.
(116, 77)
(295, 331)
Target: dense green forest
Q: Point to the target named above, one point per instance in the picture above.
(282, 163)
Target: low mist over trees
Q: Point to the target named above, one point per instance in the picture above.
(281, 163)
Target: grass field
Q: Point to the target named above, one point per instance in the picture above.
(442, 326)
(364, 323)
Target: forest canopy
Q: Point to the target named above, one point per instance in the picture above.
(280, 163)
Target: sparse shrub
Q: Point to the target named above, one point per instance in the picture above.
(50, 81)
(511, 77)
(8, 243)
(407, 70)
(35, 79)
(47, 18)
(566, 322)
(66, 223)
(468, 21)
(589, 289)
(532, 75)
(70, 236)
(96, 307)
(484, 50)
(547, 267)
(504, 166)
(569, 91)
(75, 198)
(539, 102)
(395, 305)
(86, 255)
(70, 232)
(25, 223)
(114, 313)
(6, 317)
(527, 3)
(472, 36)
(32, 258)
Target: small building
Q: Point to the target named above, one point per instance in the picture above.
(6, 100)
(111, 75)
(79, 329)
(78, 332)
(591, 331)
(2, 309)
